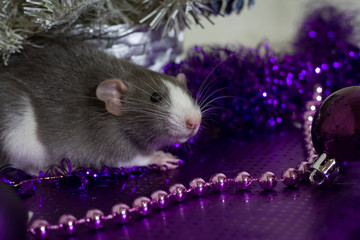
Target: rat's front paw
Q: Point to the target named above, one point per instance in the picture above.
(164, 160)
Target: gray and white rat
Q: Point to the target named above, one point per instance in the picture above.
(69, 100)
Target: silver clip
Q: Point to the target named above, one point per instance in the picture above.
(324, 170)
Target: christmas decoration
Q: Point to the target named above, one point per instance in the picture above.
(260, 89)
(255, 92)
(336, 125)
(22, 20)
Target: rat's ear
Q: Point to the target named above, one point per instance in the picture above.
(110, 92)
(181, 78)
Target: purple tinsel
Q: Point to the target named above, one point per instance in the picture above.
(258, 89)
(268, 89)
(80, 177)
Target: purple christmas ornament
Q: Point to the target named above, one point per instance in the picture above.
(336, 125)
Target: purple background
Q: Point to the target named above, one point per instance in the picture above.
(307, 212)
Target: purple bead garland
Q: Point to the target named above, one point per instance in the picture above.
(121, 213)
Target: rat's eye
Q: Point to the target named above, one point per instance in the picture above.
(156, 97)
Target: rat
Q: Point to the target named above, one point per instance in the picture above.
(68, 99)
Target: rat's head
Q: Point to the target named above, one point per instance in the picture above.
(159, 109)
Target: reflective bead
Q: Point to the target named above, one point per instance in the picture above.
(198, 186)
(121, 213)
(67, 223)
(303, 168)
(290, 177)
(267, 181)
(94, 218)
(243, 180)
(143, 205)
(39, 228)
(219, 181)
(160, 199)
(179, 192)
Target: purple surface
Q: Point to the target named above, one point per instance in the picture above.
(307, 212)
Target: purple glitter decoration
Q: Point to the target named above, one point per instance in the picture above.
(264, 89)
(78, 179)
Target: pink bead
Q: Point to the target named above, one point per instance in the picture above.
(179, 192)
(94, 218)
(121, 213)
(143, 205)
(160, 198)
(39, 228)
(290, 177)
(243, 180)
(219, 181)
(267, 181)
(198, 186)
(67, 223)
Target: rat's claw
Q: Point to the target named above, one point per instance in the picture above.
(164, 160)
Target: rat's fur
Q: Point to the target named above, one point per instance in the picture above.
(49, 109)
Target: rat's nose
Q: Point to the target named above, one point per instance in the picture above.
(193, 122)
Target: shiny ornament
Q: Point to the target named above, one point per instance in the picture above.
(267, 181)
(94, 218)
(219, 181)
(143, 205)
(290, 177)
(243, 180)
(336, 125)
(198, 186)
(160, 199)
(121, 213)
(67, 223)
(179, 192)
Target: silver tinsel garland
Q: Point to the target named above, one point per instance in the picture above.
(21, 20)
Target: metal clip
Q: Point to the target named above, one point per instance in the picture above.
(324, 170)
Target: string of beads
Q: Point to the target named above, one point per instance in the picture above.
(122, 213)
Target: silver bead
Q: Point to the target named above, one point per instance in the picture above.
(219, 181)
(290, 177)
(243, 180)
(67, 223)
(94, 218)
(198, 186)
(143, 205)
(267, 181)
(39, 228)
(179, 192)
(121, 213)
(160, 198)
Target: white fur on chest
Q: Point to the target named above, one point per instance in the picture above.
(21, 143)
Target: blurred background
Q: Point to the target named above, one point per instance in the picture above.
(273, 20)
